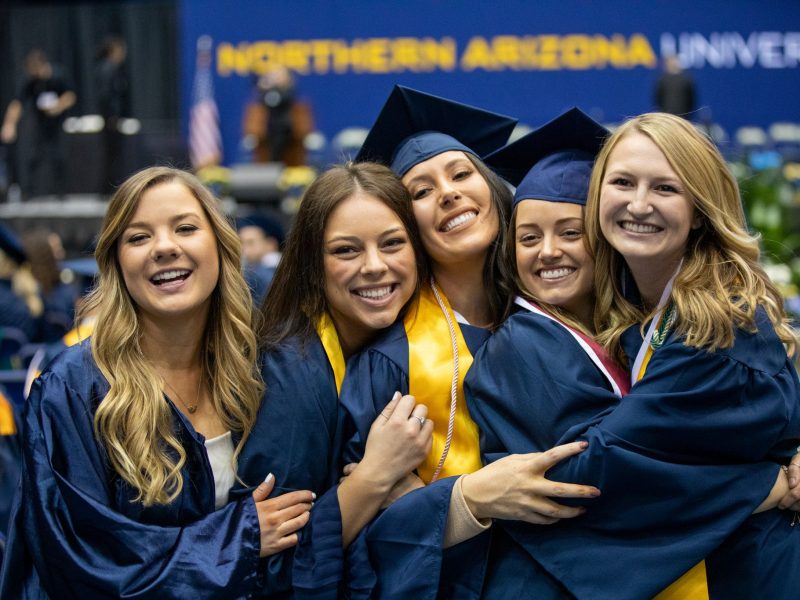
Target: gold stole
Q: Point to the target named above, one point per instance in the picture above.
(692, 585)
(333, 349)
(7, 426)
(79, 333)
(430, 376)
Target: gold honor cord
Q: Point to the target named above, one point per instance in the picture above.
(431, 368)
(333, 349)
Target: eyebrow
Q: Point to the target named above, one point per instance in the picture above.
(558, 222)
(625, 173)
(448, 165)
(174, 219)
(355, 238)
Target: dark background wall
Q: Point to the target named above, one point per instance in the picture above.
(70, 34)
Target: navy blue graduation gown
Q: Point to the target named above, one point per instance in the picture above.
(399, 554)
(77, 532)
(681, 461)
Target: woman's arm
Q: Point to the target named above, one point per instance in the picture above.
(81, 546)
(399, 439)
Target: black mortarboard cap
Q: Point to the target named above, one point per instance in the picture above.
(414, 126)
(553, 162)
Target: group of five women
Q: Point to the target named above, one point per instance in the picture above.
(583, 390)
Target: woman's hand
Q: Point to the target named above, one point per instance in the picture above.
(791, 500)
(515, 488)
(281, 517)
(399, 440)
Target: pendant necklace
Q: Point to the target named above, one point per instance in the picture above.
(192, 408)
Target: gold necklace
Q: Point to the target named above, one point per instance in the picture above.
(192, 408)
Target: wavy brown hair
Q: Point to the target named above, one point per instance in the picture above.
(721, 282)
(134, 421)
(498, 275)
(296, 298)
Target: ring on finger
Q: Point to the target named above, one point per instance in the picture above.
(421, 421)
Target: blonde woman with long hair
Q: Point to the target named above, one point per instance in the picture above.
(131, 439)
(703, 439)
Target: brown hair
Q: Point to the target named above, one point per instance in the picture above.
(498, 276)
(296, 298)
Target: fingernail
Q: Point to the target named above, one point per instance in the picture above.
(397, 395)
(584, 444)
(313, 496)
(312, 505)
(792, 481)
(269, 478)
(594, 493)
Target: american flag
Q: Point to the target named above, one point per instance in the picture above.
(205, 139)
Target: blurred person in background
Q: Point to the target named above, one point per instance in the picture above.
(675, 91)
(113, 91)
(262, 238)
(276, 121)
(41, 103)
(21, 305)
(59, 297)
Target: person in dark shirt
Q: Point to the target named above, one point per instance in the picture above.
(43, 100)
(113, 90)
(675, 90)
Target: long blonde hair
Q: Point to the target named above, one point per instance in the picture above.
(721, 282)
(134, 421)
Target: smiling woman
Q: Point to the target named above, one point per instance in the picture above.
(370, 268)
(168, 255)
(132, 439)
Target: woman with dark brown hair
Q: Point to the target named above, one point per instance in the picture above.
(349, 270)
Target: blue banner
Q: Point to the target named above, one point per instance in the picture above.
(530, 60)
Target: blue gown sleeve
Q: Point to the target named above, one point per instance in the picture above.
(296, 438)
(682, 461)
(68, 540)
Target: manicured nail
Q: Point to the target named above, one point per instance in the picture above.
(397, 395)
(313, 496)
(269, 478)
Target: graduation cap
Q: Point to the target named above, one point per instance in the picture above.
(10, 244)
(414, 126)
(553, 162)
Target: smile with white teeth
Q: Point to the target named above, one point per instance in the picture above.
(639, 227)
(456, 221)
(168, 276)
(378, 293)
(556, 273)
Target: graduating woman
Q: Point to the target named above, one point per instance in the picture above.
(349, 270)
(130, 440)
(433, 144)
(695, 448)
